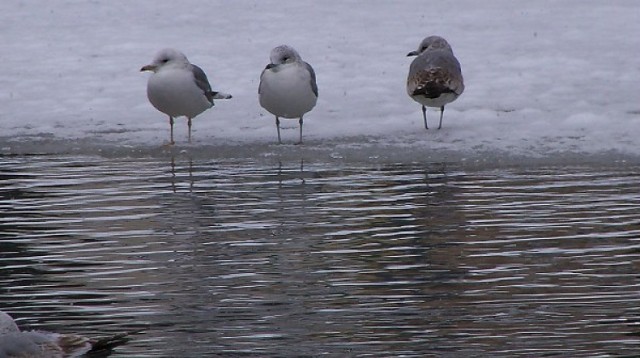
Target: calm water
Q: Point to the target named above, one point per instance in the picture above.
(323, 258)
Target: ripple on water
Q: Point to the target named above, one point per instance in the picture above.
(324, 258)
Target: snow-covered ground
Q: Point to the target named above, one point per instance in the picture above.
(543, 78)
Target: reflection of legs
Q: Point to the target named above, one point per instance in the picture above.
(424, 115)
(278, 126)
(189, 125)
(441, 113)
(190, 175)
(171, 125)
(300, 141)
(173, 173)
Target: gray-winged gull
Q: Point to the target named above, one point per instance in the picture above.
(435, 78)
(39, 344)
(288, 87)
(178, 87)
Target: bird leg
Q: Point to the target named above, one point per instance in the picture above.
(189, 125)
(278, 126)
(441, 113)
(171, 142)
(301, 121)
(424, 115)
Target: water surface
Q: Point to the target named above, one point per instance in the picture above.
(283, 257)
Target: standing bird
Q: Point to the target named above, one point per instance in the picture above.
(435, 78)
(179, 88)
(288, 86)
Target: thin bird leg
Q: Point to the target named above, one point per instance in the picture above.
(171, 125)
(301, 121)
(441, 113)
(424, 115)
(189, 125)
(278, 126)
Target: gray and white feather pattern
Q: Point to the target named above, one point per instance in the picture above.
(15, 343)
(288, 87)
(435, 78)
(179, 88)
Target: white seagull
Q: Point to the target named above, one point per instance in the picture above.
(39, 344)
(288, 87)
(435, 78)
(179, 88)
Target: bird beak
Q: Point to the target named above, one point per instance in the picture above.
(270, 66)
(151, 68)
(412, 53)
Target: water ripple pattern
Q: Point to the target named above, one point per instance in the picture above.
(290, 259)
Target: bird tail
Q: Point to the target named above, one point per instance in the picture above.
(220, 95)
(104, 346)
